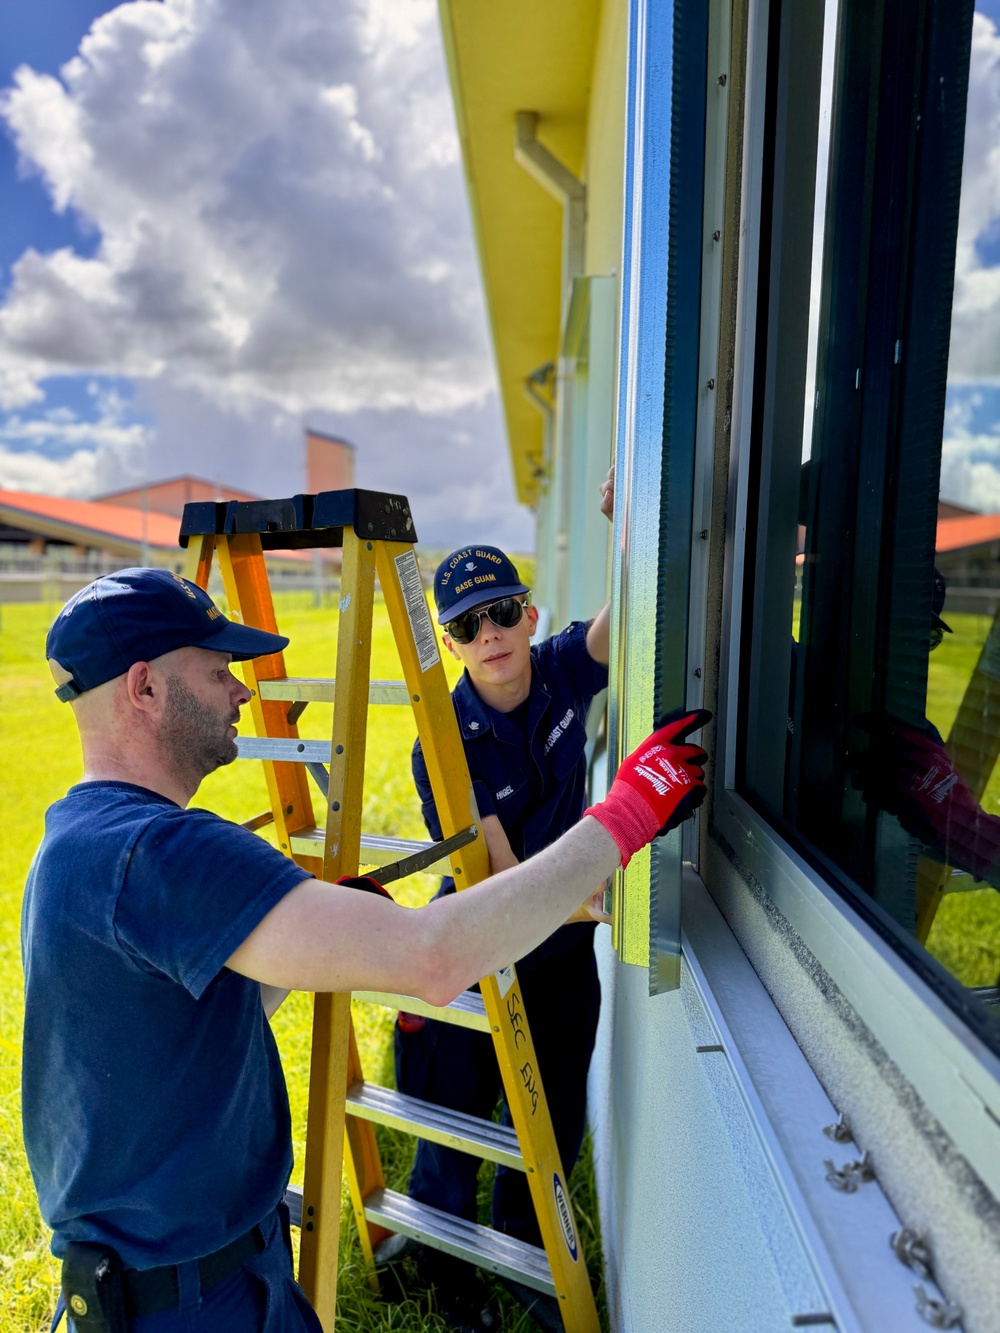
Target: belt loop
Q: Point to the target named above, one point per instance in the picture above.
(188, 1285)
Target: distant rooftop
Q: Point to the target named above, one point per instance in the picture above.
(110, 527)
(170, 496)
(958, 534)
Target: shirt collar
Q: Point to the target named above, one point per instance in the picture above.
(475, 718)
(473, 715)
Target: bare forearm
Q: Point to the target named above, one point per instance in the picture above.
(490, 925)
(325, 937)
(599, 636)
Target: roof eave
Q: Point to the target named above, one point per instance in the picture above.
(503, 59)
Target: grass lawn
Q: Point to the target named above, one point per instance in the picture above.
(42, 759)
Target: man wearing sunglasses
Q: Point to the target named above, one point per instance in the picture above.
(522, 713)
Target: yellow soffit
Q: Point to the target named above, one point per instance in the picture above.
(506, 56)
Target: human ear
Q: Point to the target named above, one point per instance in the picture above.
(141, 686)
(446, 640)
(532, 613)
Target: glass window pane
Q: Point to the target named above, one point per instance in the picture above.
(870, 719)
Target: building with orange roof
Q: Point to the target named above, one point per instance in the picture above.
(51, 546)
(968, 556)
(968, 549)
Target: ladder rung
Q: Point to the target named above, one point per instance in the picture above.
(466, 1011)
(314, 689)
(490, 1250)
(293, 1202)
(283, 748)
(376, 850)
(440, 1124)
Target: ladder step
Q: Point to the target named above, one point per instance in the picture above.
(376, 850)
(465, 1011)
(487, 1249)
(439, 1124)
(314, 689)
(286, 749)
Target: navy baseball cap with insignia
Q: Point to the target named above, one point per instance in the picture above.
(474, 576)
(136, 615)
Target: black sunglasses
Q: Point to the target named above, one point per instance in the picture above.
(505, 614)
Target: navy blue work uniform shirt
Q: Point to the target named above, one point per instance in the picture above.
(531, 776)
(155, 1114)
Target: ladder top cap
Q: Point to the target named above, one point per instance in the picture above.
(303, 520)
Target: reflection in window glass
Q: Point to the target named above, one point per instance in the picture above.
(959, 878)
(870, 717)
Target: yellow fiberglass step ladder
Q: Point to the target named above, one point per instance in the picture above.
(375, 532)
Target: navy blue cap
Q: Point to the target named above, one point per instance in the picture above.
(136, 615)
(471, 577)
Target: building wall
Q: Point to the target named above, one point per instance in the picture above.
(170, 497)
(677, 1171)
(605, 156)
(329, 463)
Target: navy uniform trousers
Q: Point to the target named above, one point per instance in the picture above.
(260, 1297)
(457, 1068)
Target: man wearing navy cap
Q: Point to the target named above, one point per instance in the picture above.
(522, 714)
(155, 1114)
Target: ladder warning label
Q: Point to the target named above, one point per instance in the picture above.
(505, 979)
(419, 617)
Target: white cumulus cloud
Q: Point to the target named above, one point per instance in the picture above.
(975, 338)
(60, 452)
(279, 201)
(276, 193)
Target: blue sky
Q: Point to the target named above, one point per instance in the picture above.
(224, 222)
(43, 34)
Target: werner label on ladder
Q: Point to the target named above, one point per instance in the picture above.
(131, 651)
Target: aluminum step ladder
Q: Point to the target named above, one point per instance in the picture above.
(376, 535)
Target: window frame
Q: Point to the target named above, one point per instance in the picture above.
(657, 435)
(902, 1003)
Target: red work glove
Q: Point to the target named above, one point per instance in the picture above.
(657, 786)
(912, 776)
(365, 883)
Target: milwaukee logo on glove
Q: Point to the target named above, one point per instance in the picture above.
(657, 787)
(937, 783)
(667, 777)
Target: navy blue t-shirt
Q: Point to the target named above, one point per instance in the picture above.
(529, 768)
(155, 1113)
